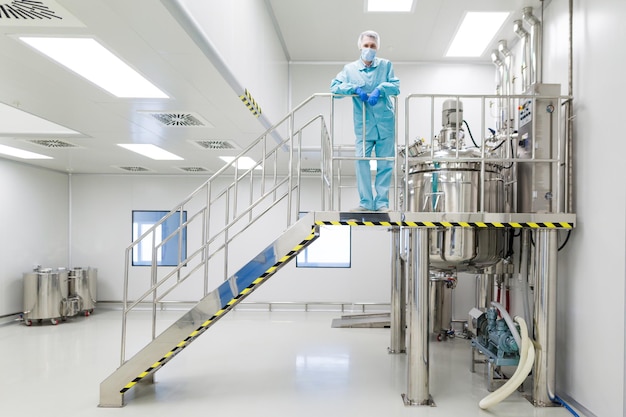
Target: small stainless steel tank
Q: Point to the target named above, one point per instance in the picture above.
(45, 294)
(82, 290)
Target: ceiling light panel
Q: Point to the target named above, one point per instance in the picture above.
(20, 153)
(88, 58)
(475, 33)
(389, 5)
(150, 151)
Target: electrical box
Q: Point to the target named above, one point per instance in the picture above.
(538, 140)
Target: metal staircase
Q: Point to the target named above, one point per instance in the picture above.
(204, 314)
(221, 217)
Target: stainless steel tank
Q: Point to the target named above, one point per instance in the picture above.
(456, 187)
(82, 290)
(456, 184)
(45, 295)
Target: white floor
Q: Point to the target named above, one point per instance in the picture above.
(248, 364)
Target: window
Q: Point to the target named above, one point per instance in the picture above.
(167, 254)
(330, 250)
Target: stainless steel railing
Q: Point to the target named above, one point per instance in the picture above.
(225, 207)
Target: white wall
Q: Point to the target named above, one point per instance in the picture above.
(591, 292)
(101, 212)
(34, 213)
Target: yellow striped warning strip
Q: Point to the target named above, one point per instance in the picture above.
(250, 103)
(193, 335)
(492, 225)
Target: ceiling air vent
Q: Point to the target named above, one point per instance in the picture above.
(179, 119)
(134, 169)
(26, 9)
(53, 143)
(193, 169)
(216, 144)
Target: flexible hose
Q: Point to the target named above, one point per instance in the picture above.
(509, 322)
(527, 361)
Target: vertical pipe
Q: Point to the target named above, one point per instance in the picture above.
(570, 123)
(69, 219)
(418, 355)
(495, 58)
(524, 272)
(519, 30)
(331, 156)
(484, 291)
(545, 317)
(535, 45)
(398, 303)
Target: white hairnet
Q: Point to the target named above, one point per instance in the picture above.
(371, 34)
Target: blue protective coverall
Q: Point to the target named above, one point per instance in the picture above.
(379, 125)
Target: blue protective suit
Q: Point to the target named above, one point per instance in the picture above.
(379, 125)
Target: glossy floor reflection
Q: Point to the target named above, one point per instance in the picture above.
(249, 364)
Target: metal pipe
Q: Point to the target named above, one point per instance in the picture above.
(495, 58)
(418, 306)
(507, 83)
(397, 321)
(484, 291)
(546, 248)
(535, 45)
(570, 122)
(523, 34)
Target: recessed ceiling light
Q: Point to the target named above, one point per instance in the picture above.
(19, 153)
(151, 151)
(243, 162)
(389, 5)
(88, 58)
(475, 33)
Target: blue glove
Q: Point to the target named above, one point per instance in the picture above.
(362, 94)
(373, 98)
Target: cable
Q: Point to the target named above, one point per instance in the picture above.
(569, 232)
(470, 133)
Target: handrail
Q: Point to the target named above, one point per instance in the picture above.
(269, 185)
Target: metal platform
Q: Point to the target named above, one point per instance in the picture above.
(479, 220)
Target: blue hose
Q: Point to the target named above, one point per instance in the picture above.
(558, 400)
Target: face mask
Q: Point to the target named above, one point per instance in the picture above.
(368, 54)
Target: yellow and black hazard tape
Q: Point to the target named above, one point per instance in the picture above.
(229, 305)
(250, 103)
(480, 225)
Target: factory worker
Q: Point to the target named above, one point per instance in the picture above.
(372, 80)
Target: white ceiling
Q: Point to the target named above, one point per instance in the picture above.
(146, 35)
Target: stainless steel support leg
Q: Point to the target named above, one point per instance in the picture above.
(546, 248)
(398, 296)
(418, 355)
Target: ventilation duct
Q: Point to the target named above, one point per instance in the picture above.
(179, 119)
(26, 9)
(523, 34)
(216, 144)
(495, 58)
(133, 169)
(535, 45)
(193, 169)
(52, 143)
